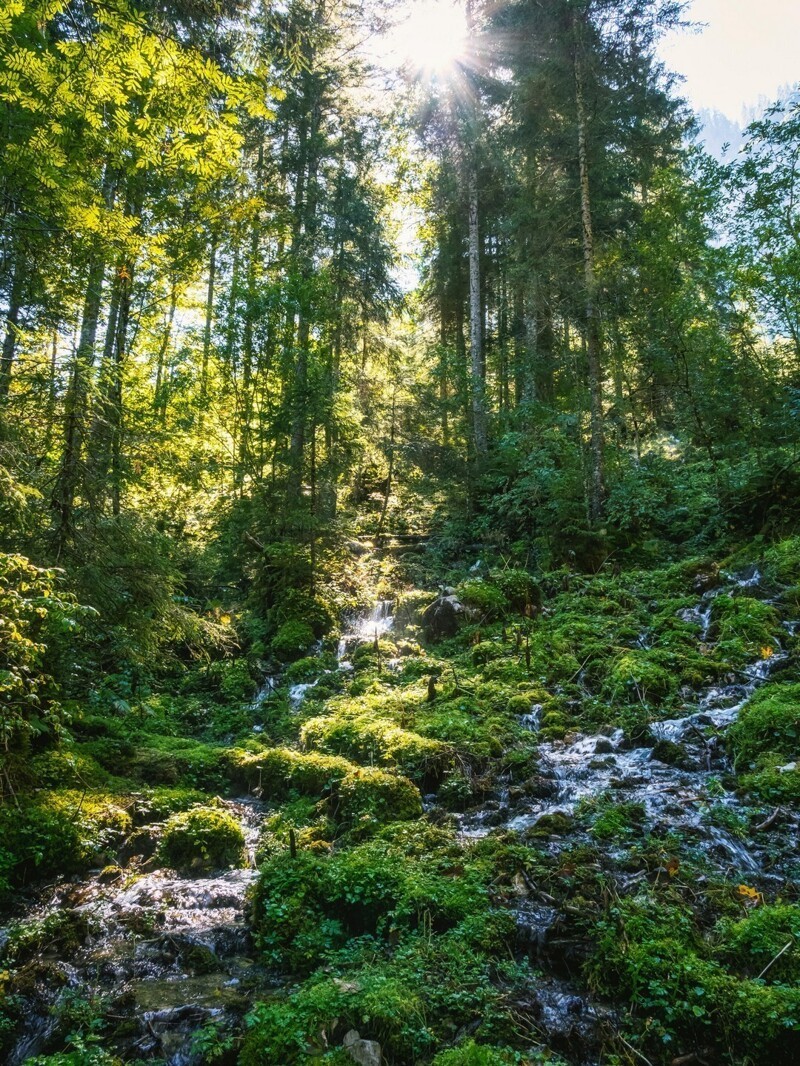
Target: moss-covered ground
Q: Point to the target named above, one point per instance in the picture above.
(373, 911)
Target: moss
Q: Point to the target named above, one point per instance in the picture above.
(181, 761)
(639, 674)
(650, 951)
(159, 803)
(671, 754)
(773, 780)
(483, 598)
(68, 768)
(368, 795)
(58, 831)
(472, 1054)
(742, 618)
(280, 772)
(292, 640)
(768, 725)
(366, 738)
(202, 838)
(759, 940)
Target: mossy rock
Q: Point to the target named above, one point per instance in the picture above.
(768, 725)
(205, 838)
(671, 754)
(365, 738)
(372, 795)
(279, 772)
(556, 824)
(292, 640)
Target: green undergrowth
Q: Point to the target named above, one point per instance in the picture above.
(371, 913)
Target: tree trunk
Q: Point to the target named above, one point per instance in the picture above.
(593, 344)
(12, 327)
(212, 274)
(477, 382)
(75, 407)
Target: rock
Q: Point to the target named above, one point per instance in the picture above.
(670, 754)
(364, 1052)
(603, 747)
(141, 844)
(355, 547)
(442, 617)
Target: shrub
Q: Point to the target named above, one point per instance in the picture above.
(518, 587)
(58, 832)
(203, 837)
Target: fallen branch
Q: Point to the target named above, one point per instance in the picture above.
(768, 822)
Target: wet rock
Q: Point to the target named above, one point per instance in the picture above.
(670, 754)
(603, 746)
(640, 737)
(141, 844)
(540, 787)
(109, 874)
(364, 1052)
(556, 824)
(706, 581)
(442, 618)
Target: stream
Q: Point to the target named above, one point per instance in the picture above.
(170, 953)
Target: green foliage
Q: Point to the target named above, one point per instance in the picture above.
(292, 639)
(280, 772)
(485, 599)
(37, 622)
(57, 832)
(768, 725)
(202, 838)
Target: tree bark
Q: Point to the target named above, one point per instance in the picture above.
(593, 342)
(477, 381)
(12, 326)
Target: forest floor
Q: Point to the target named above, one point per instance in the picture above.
(564, 833)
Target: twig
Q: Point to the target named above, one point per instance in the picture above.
(773, 961)
(632, 1049)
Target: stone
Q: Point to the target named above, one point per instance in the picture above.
(364, 1052)
(442, 617)
(603, 746)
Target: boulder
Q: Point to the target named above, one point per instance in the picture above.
(442, 617)
(364, 1052)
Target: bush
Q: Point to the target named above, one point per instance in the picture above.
(58, 832)
(204, 837)
(518, 587)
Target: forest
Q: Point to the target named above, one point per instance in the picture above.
(399, 541)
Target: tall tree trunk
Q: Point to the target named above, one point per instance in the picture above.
(593, 344)
(160, 390)
(75, 407)
(12, 326)
(477, 380)
(212, 274)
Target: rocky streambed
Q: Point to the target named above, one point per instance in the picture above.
(168, 956)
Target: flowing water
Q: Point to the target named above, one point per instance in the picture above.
(172, 952)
